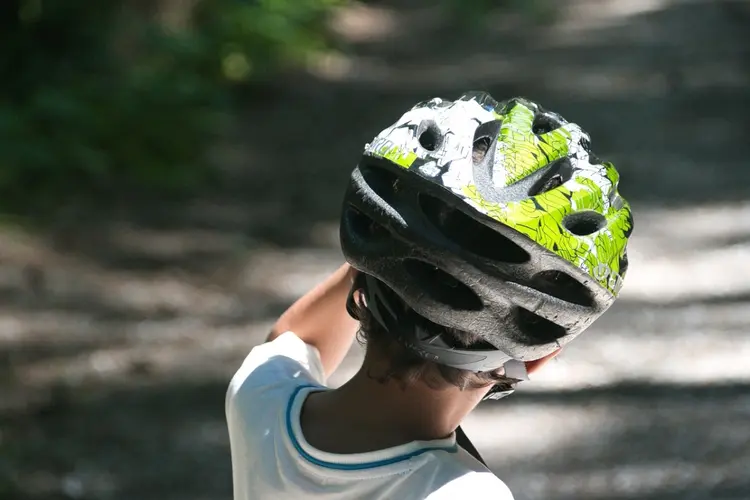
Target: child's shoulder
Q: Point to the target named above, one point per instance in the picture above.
(477, 485)
(282, 364)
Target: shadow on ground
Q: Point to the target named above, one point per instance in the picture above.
(86, 444)
(701, 454)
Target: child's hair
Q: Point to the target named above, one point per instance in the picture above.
(406, 367)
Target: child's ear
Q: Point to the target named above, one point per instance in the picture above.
(532, 366)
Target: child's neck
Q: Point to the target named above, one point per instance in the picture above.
(365, 414)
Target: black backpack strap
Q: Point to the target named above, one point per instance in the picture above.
(464, 442)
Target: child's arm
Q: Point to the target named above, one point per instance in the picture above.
(320, 319)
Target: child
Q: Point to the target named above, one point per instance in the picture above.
(481, 237)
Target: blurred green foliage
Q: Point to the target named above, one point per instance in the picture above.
(114, 97)
(257, 38)
(110, 96)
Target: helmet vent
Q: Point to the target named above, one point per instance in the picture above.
(364, 227)
(484, 135)
(558, 173)
(594, 160)
(584, 223)
(430, 137)
(544, 123)
(624, 264)
(442, 287)
(470, 234)
(536, 330)
(549, 184)
(382, 181)
(563, 286)
(479, 151)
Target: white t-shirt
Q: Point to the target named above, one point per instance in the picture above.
(271, 460)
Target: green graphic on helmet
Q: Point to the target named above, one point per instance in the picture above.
(529, 139)
(388, 150)
(520, 151)
(541, 219)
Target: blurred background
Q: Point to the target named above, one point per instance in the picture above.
(170, 180)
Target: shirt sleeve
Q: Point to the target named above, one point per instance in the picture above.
(285, 359)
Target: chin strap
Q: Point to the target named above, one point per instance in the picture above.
(513, 369)
(374, 300)
(464, 442)
(497, 393)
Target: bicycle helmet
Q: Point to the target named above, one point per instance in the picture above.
(493, 218)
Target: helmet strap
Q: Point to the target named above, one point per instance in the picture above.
(374, 300)
(433, 348)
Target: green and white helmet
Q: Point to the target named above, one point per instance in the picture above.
(494, 218)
